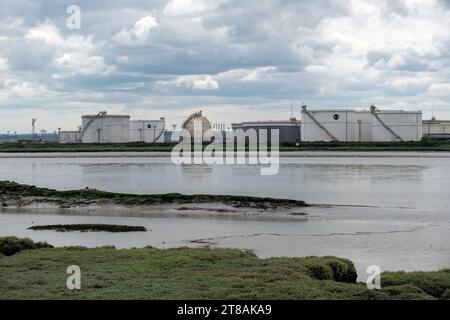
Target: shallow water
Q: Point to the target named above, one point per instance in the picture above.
(395, 214)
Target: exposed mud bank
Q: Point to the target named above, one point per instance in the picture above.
(20, 196)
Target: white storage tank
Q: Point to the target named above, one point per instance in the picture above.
(363, 126)
(396, 125)
(196, 124)
(328, 125)
(434, 126)
(69, 137)
(151, 131)
(105, 128)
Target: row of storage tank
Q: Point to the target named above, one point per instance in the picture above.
(349, 125)
(345, 125)
(361, 126)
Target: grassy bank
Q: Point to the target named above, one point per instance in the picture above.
(167, 147)
(15, 193)
(149, 273)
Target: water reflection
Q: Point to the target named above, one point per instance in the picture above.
(415, 182)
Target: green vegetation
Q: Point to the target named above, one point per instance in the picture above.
(424, 145)
(436, 284)
(89, 227)
(12, 245)
(12, 191)
(149, 273)
(86, 147)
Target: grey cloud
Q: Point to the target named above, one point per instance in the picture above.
(325, 69)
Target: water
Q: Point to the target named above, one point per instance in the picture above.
(393, 212)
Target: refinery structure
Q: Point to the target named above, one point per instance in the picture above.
(342, 125)
(110, 128)
(348, 125)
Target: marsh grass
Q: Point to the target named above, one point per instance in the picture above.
(201, 273)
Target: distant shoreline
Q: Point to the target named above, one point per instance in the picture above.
(282, 154)
(164, 149)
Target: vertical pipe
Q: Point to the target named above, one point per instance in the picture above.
(359, 130)
(346, 126)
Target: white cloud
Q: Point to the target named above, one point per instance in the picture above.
(188, 7)
(79, 63)
(46, 32)
(139, 33)
(440, 89)
(248, 75)
(3, 63)
(211, 82)
(197, 82)
(73, 55)
(143, 26)
(23, 89)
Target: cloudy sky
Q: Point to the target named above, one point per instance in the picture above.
(234, 60)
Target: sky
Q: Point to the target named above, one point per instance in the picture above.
(234, 60)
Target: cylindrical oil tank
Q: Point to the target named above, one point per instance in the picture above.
(363, 126)
(328, 125)
(406, 124)
(105, 128)
(151, 131)
(69, 137)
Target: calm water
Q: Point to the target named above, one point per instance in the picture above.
(389, 211)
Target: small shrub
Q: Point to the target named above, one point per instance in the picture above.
(320, 272)
(343, 270)
(12, 245)
(331, 268)
(446, 295)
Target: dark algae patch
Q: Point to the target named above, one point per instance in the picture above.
(89, 228)
(12, 192)
(200, 273)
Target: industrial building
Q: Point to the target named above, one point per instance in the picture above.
(108, 128)
(105, 128)
(435, 126)
(289, 130)
(69, 136)
(438, 130)
(328, 125)
(151, 131)
(348, 125)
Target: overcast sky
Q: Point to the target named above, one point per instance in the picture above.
(234, 60)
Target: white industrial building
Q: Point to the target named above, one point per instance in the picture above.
(151, 131)
(69, 136)
(392, 125)
(348, 125)
(438, 130)
(328, 125)
(108, 128)
(434, 126)
(105, 128)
